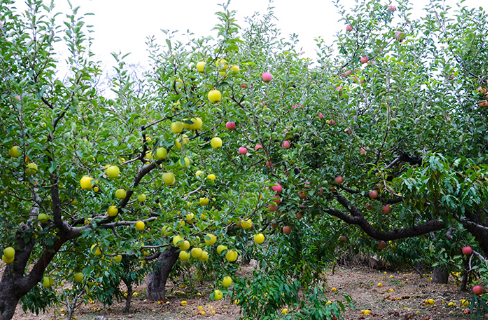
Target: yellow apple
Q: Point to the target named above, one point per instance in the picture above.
(166, 231)
(181, 141)
(197, 123)
(201, 66)
(246, 224)
(177, 127)
(120, 194)
(7, 260)
(48, 282)
(79, 277)
(148, 155)
(210, 241)
(140, 225)
(231, 255)
(184, 256)
(199, 172)
(204, 256)
(31, 168)
(169, 178)
(185, 162)
(211, 177)
(95, 250)
(259, 238)
(214, 96)
(118, 258)
(216, 142)
(196, 252)
(113, 211)
(141, 197)
(221, 248)
(235, 68)
(227, 282)
(221, 64)
(113, 172)
(190, 218)
(43, 218)
(218, 295)
(161, 153)
(177, 239)
(15, 152)
(185, 245)
(86, 183)
(9, 252)
(204, 201)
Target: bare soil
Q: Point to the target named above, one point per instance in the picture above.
(401, 295)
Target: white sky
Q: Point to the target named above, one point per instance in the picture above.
(123, 25)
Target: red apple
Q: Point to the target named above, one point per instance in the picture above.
(481, 90)
(242, 150)
(381, 245)
(364, 59)
(338, 89)
(268, 164)
(332, 122)
(243, 86)
(391, 8)
(303, 194)
(299, 215)
(348, 73)
(274, 224)
(320, 115)
(277, 187)
(386, 209)
(348, 28)
(320, 191)
(277, 199)
(272, 207)
(478, 290)
(467, 251)
(267, 77)
(362, 151)
(286, 144)
(239, 224)
(483, 103)
(258, 146)
(339, 179)
(286, 229)
(369, 206)
(230, 125)
(373, 194)
(332, 189)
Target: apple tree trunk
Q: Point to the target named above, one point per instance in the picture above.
(156, 281)
(440, 275)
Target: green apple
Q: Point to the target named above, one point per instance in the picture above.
(177, 127)
(185, 245)
(169, 178)
(212, 239)
(204, 201)
(113, 172)
(231, 255)
(7, 260)
(48, 282)
(118, 258)
(204, 256)
(176, 241)
(221, 248)
(185, 162)
(141, 197)
(43, 218)
(9, 252)
(201, 66)
(161, 153)
(79, 277)
(15, 152)
(120, 194)
(31, 168)
(140, 225)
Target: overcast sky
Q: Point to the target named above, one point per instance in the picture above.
(123, 25)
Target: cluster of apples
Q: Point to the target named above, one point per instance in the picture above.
(30, 168)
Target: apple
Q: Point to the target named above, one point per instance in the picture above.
(258, 146)
(31, 168)
(196, 252)
(286, 229)
(299, 216)
(399, 36)
(95, 250)
(184, 256)
(339, 89)
(342, 239)
(277, 199)
(274, 224)
(332, 122)
(197, 124)
(7, 260)
(201, 66)
(269, 163)
(212, 177)
(112, 211)
(118, 258)
(235, 68)
(242, 150)
(169, 178)
(339, 179)
(373, 194)
(141, 197)
(231, 255)
(348, 28)
(286, 144)
(161, 153)
(184, 163)
(364, 59)
(120, 194)
(185, 245)
(272, 207)
(381, 245)
(210, 239)
(181, 141)
(218, 295)
(79, 277)
(140, 225)
(214, 96)
(277, 188)
(47, 282)
(9, 252)
(15, 152)
(17, 97)
(230, 125)
(258, 238)
(246, 224)
(267, 77)
(386, 209)
(43, 218)
(320, 115)
(190, 218)
(243, 86)
(113, 171)
(391, 8)
(227, 281)
(483, 103)
(332, 189)
(216, 142)
(478, 290)
(303, 194)
(221, 248)
(481, 90)
(176, 127)
(467, 251)
(369, 206)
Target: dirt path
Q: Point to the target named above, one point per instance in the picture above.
(400, 296)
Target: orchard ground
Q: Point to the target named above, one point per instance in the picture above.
(401, 294)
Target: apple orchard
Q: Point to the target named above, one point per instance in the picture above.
(238, 148)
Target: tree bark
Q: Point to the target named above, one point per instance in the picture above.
(440, 275)
(156, 281)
